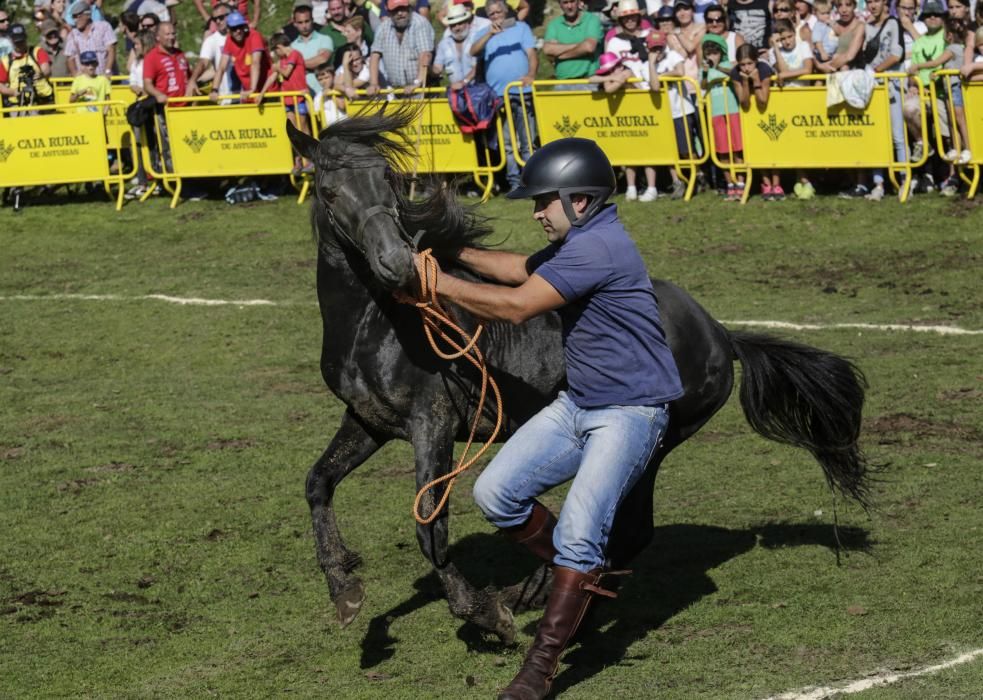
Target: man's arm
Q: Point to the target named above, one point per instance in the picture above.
(498, 265)
(500, 303)
(533, 66)
(110, 58)
(254, 69)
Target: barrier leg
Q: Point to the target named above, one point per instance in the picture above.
(975, 182)
(151, 188)
(691, 183)
(177, 194)
(304, 189)
(748, 176)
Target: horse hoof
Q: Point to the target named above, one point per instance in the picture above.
(505, 630)
(349, 603)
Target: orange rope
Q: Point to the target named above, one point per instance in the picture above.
(434, 316)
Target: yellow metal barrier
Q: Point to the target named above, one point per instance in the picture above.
(59, 146)
(122, 97)
(439, 144)
(797, 130)
(973, 106)
(233, 140)
(633, 127)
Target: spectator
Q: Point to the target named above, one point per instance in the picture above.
(144, 43)
(165, 78)
(453, 57)
(790, 57)
(54, 45)
(241, 6)
(477, 23)
(89, 85)
(515, 9)
(612, 74)
(804, 19)
(955, 51)
(422, 7)
(824, 39)
(58, 8)
(328, 106)
(509, 51)
(92, 35)
(402, 50)
(752, 19)
(784, 10)
(716, 22)
(913, 28)
(97, 16)
(725, 115)
(352, 71)
(24, 60)
(663, 61)
(753, 77)
(972, 68)
(573, 41)
(851, 31)
(337, 14)
(246, 51)
(289, 75)
(354, 31)
(161, 10)
(6, 46)
(290, 28)
(689, 33)
(210, 55)
(315, 48)
(665, 21)
(882, 51)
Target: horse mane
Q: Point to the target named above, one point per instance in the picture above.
(447, 226)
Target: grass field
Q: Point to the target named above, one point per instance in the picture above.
(156, 540)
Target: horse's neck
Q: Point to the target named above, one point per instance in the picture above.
(344, 298)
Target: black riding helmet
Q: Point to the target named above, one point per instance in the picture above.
(568, 166)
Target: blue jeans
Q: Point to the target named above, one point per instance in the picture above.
(604, 450)
(512, 171)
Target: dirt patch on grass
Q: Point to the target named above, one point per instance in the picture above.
(111, 468)
(9, 454)
(77, 485)
(894, 427)
(961, 394)
(231, 444)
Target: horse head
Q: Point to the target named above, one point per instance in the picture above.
(359, 196)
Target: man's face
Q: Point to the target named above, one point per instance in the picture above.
(4, 22)
(221, 16)
(401, 18)
(550, 215)
(238, 34)
(570, 9)
(82, 20)
(496, 13)
(304, 22)
(459, 31)
(166, 36)
(336, 11)
(52, 38)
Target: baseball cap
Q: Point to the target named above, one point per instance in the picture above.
(393, 4)
(664, 12)
(87, 57)
(717, 41)
(48, 26)
(235, 19)
(933, 7)
(655, 39)
(17, 32)
(79, 8)
(682, 3)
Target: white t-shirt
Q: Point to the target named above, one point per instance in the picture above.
(678, 104)
(363, 74)
(211, 48)
(327, 110)
(136, 74)
(794, 59)
(638, 67)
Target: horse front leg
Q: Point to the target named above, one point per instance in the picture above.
(484, 608)
(349, 448)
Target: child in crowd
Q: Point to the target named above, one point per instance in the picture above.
(87, 86)
(328, 105)
(972, 68)
(753, 77)
(352, 70)
(725, 112)
(956, 35)
(791, 59)
(289, 76)
(824, 39)
(663, 61)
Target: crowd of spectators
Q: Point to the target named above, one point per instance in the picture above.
(341, 50)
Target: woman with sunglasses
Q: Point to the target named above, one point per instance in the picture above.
(716, 22)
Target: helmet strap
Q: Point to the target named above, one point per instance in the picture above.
(598, 196)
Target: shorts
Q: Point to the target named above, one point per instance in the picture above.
(720, 133)
(685, 129)
(301, 108)
(957, 94)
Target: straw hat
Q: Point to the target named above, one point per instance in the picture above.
(456, 14)
(609, 61)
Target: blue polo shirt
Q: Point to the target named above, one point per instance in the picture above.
(613, 342)
(506, 60)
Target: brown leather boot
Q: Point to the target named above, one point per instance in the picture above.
(536, 534)
(569, 600)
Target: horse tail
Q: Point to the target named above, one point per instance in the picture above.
(806, 397)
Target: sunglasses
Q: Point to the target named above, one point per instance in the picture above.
(55, 34)
(4, 19)
(219, 18)
(782, 9)
(714, 20)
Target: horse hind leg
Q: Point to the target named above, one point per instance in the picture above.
(348, 449)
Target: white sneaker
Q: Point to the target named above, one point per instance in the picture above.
(952, 154)
(965, 157)
(649, 195)
(631, 194)
(876, 194)
(917, 151)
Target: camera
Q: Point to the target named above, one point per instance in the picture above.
(26, 92)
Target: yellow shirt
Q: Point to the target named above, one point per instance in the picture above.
(94, 89)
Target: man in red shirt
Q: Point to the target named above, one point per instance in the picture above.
(247, 51)
(165, 77)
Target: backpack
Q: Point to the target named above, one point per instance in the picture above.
(474, 107)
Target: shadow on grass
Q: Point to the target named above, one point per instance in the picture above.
(669, 576)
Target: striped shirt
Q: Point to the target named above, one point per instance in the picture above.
(98, 37)
(400, 59)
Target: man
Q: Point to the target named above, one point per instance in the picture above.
(401, 51)
(290, 28)
(314, 47)
(246, 51)
(573, 41)
(453, 57)
(23, 61)
(509, 50)
(55, 48)
(165, 77)
(90, 35)
(603, 430)
(210, 56)
(340, 12)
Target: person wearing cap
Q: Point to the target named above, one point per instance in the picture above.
(90, 85)
(453, 56)
(478, 22)
(574, 41)
(612, 74)
(314, 47)
(927, 54)
(23, 60)
(92, 35)
(246, 51)
(54, 45)
(644, 25)
(210, 53)
(602, 430)
(241, 6)
(402, 50)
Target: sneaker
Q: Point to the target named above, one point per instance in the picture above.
(777, 193)
(952, 155)
(135, 192)
(950, 188)
(648, 195)
(927, 183)
(804, 190)
(854, 192)
(965, 157)
(766, 192)
(876, 194)
(631, 194)
(678, 189)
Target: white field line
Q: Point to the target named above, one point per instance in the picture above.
(881, 679)
(194, 301)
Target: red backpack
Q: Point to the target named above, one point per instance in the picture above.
(474, 106)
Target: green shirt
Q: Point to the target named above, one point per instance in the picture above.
(588, 26)
(927, 47)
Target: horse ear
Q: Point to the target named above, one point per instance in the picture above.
(305, 145)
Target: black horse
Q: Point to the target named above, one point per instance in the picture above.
(375, 358)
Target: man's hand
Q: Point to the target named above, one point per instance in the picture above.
(409, 89)
(213, 95)
(527, 79)
(161, 99)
